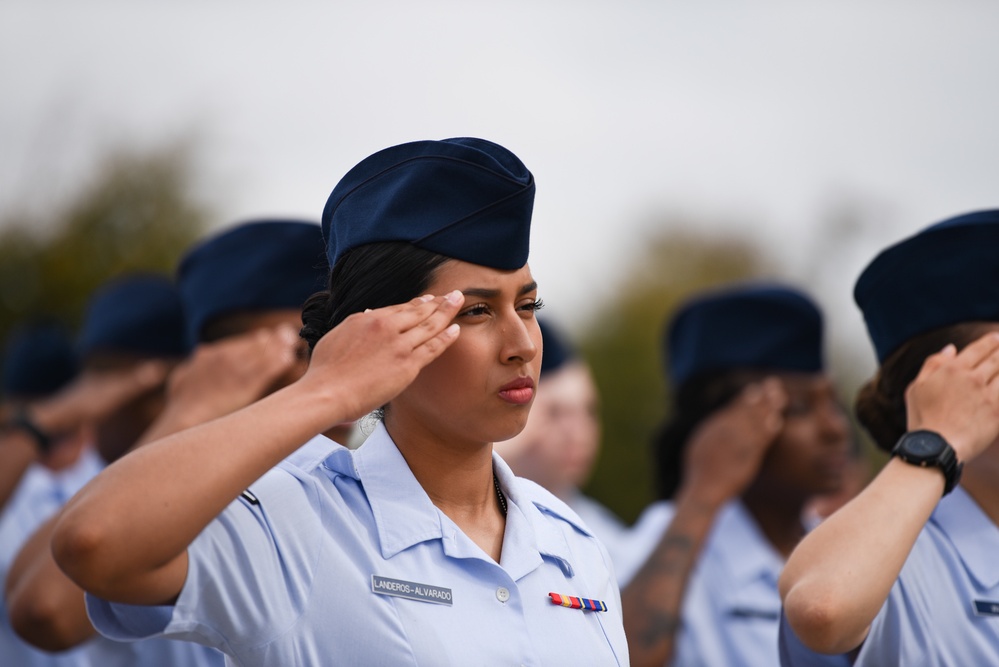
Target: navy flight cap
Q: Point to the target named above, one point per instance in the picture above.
(135, 314)
(748, 326)
(255, 266)
(946, 274)
(463, 198)
(557, 349)
(38, 360)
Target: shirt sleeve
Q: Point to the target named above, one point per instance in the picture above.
(249, 575)
(795, 654)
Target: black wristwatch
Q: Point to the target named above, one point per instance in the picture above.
(22, 421)
(927, 448)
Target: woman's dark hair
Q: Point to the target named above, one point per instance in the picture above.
(694, 401)
(374, 275)
(880, 403)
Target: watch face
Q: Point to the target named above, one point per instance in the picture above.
(924, 445)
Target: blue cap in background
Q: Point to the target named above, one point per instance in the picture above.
(746, 326)
(38, 360)
(946, 274)
(134, 314)
(258, 265)
(464, 198)
(557, 349)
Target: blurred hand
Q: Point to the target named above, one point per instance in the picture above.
(725, 452)
(957, 395)
(374, 355)
(225, 376)
(95, 395)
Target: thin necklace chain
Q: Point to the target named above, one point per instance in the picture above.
(499, 494)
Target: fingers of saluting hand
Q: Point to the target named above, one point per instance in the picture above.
(375, 355)
(983, 356)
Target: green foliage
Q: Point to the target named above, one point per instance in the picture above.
(624, 351)
(137, 213)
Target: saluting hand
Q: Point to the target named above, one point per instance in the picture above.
(227, 375)
(370, 357)
(957, 395)
(727, 449)
(95, 395)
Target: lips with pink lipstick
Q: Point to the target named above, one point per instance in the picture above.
(518, 392)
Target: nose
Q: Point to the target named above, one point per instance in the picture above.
(835, 423)
(521, 339)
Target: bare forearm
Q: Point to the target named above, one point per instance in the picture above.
(840, 575)
(46, 608)
(654, 598)
(17, 453)
(141, 513)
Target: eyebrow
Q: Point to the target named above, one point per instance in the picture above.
(483, 293)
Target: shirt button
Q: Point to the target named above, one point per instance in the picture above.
(502, 594)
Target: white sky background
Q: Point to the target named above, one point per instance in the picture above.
(762, 116)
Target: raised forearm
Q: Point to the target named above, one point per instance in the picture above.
(135, 519)
(840, 575)
(46, 608)
(653, 600)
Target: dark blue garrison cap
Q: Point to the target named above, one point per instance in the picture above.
(38, 360)
(946, 274)
(464, 198)
(258, 265)
(748, 326)
(557, 349)
(136, 314)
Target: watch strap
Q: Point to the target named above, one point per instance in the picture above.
(22, 421)
(946, 460)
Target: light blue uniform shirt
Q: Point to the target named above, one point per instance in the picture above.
(38, 497)
(731, 609)
(339, 557)
(944, 607)
(603, 523)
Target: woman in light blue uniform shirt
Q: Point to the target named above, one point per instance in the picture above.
(254, 535)
(906, 573)
(756, 433)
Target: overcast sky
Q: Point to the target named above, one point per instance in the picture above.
(759, 115)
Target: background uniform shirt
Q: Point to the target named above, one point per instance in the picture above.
(944, 607)
(38, 497)
(339, 557)
(731, 609)
(603, 523)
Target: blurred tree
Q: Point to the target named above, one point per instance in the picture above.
(625, 351)
(137, 213)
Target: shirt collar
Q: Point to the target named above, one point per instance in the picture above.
(403, 512)
(972, 533)
(404, 515)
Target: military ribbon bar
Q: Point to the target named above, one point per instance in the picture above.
(577, 603)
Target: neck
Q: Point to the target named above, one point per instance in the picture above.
(458, 478)
(980, 479)
(778, 518)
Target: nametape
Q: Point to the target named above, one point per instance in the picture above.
(986, 608)
(410, 590)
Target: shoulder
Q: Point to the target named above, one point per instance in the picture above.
(549, 504)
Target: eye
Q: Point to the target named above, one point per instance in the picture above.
(533, 306)
(797, 407)
(477, 310)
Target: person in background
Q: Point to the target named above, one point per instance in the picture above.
(905, 573)
(280, 547)
(559, 445)
(131, 337)
(756, 432)
(38, 361)
(242, 291)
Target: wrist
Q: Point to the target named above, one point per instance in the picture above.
(929, 449)
(21, 420)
